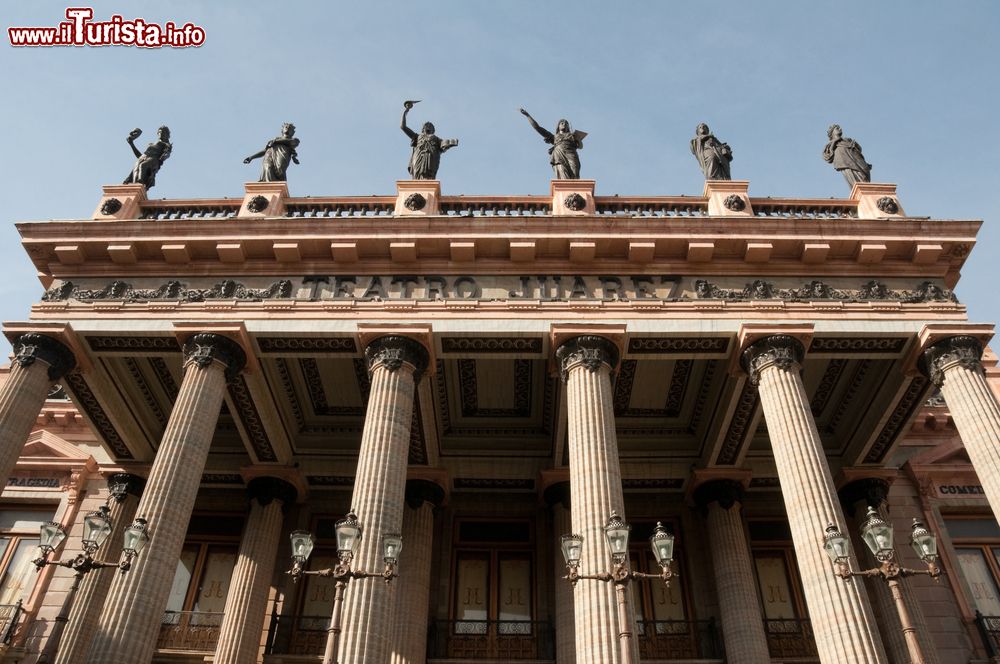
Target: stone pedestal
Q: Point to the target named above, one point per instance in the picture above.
(728, 198)
(395, 364)
(125, 490)
(417, 198)
(876, 201)
(264, 199)
(409, 643)
(573, 197)
(558, 497)
(586, 363)
(39, 361)
(120, 201)
(955, 365)
(842, 620)
(246, 603)
(134, 609)
(739, 607)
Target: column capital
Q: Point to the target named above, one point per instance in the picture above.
(557, 493)
(725, 492)
(393, 351)
(873, 490)
(961, 350)
(781, 350)
(265, 490)
(590, 351)
(204, 348)
(120, 485)
(420, 491)
(32, 346)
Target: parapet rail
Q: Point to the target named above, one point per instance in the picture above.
(322, 207)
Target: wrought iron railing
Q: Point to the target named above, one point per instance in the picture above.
(989, 630)
(10, 614)
(296, 635)
(491, 639)
(679, 639)
(189, 630)
(790, 638)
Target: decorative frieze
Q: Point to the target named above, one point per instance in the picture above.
(912, 399)
(278, 345)
(491, 345)
(133, 344)
(228, 289)
(95, 413)
(678, 345)
(253, 425)
(760, 289)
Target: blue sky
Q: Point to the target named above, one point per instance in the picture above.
(913, 81)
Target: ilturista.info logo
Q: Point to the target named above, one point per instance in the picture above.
(81, 30)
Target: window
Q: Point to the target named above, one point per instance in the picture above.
(977, 548)
(18, 548)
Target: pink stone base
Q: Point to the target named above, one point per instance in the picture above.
(562, 189)
(129, 195)
(429, 189)
(274, 192)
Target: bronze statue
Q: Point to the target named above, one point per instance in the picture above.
(427, 148)
(845, 155)
(148, 163)
(565, 143)
(277, 153)
(712, 154)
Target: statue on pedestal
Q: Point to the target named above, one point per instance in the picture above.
(277, 153)
(845, 155)
(427, 148)
(712, 154)
(148, 163)
(565, 143)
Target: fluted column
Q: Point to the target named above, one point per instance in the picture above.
(558, 496)
(134, 609)
(409, 641)
(955, 365)
(735, 580)
(842, 620)
(246, 603)
(395, 364)
(125, 490)
(586, 363)
(39, 361)
(856, 498)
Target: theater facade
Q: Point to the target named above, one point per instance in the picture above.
(482, 375)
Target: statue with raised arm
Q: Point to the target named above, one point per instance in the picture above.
(427, 148)
(845, 155)
(565, 143)
(712, 154)
(277, 153)
(148, 163)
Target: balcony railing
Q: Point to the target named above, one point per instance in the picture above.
(679, 639)
(989, 630)
(790, 638)
(189, 630)
(10, 614)
(490, 639)
(296, 635)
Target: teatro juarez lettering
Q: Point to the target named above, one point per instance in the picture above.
(467, 287)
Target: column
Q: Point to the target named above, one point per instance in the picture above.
(125, 490)
(558, 497)
(39, 361)
(735, 579)
(586, 363)
(955, 365)
(395, 364)
(842, 621)
(246, 603)
(134, 608)
(409, 643)
(856, 498)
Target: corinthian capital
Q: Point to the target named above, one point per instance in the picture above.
(393, 351)
(32, 346)
(965, 351)
(779, 350)
(590, 351)
(205, 348)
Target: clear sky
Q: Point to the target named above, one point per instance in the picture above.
(914, 81)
